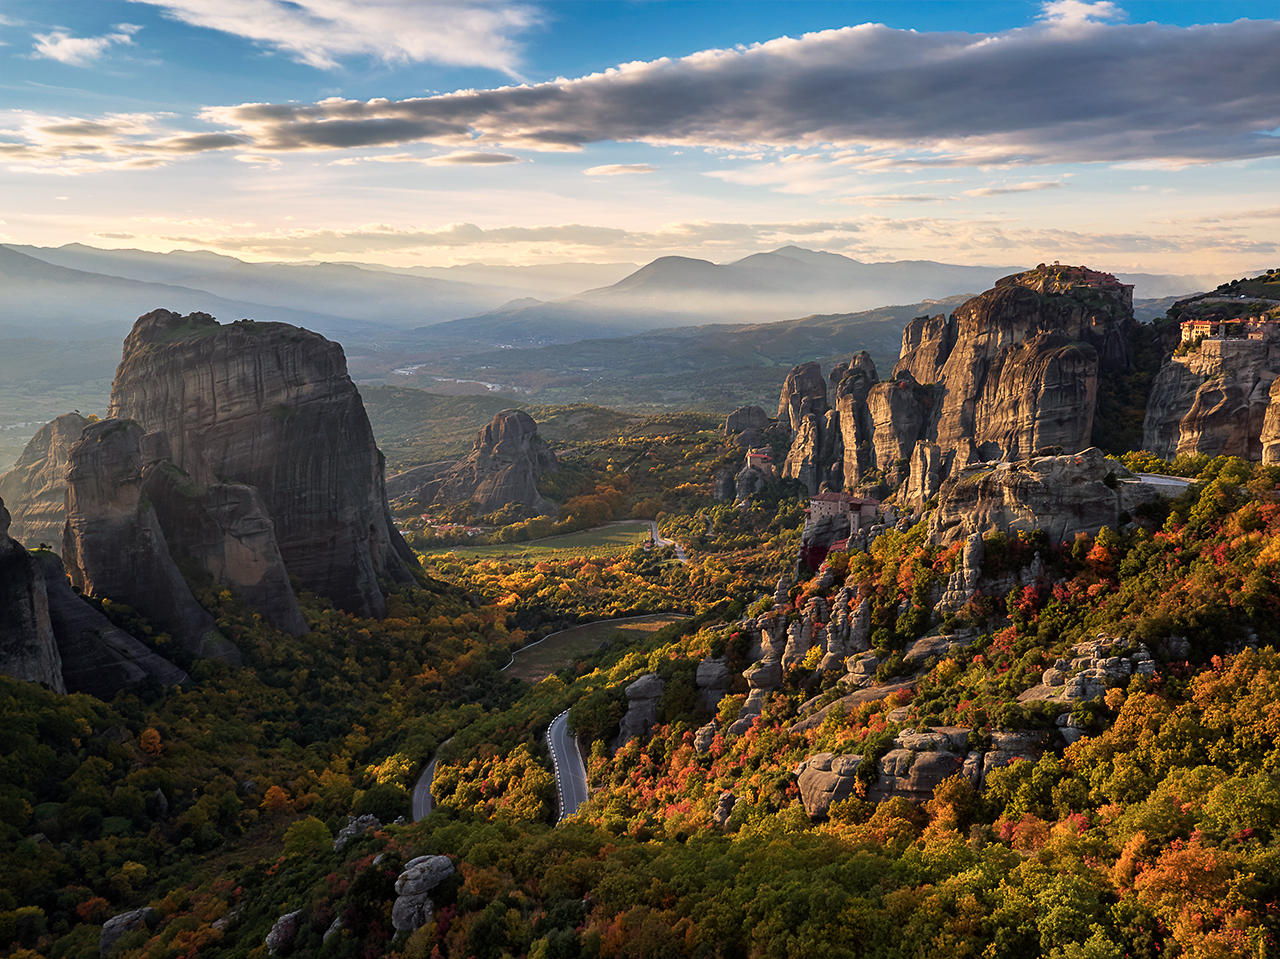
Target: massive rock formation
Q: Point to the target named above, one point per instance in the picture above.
(1063, 495)
(1012, 371)
(225, 528)
(113, 544)
(271, 406)
(36, 487)
(506, 462)
(28, 649)
(1212, 399)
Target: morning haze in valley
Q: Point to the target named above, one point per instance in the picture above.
(725, 479)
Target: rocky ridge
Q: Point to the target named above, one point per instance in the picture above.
(36, 487)
(506, 461)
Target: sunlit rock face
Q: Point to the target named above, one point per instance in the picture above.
(271, 406)
(36, 488)
(1215, 400)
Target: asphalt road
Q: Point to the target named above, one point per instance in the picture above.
(657, 538)
(571, 774)
(422, 803)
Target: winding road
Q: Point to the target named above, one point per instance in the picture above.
(422, 803)
(571, 774)
(657, 538)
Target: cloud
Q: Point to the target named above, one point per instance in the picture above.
(619, 169)
(1017, 188)
(891, 199)
(1077, 13)
(79, 51)
(460, 158)
(320, 32)
(868, 98)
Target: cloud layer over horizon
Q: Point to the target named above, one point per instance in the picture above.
(1067, 89)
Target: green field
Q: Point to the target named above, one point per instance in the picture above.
(602, 541)
(535, 663)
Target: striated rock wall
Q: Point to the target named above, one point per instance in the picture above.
(113, 544)
(28, 649)
(271, 406)
(1269, 439)
(225, 528)
(36, 488)
(507, 459)
(1212, 400)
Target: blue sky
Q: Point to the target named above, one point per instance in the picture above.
(1124, 135)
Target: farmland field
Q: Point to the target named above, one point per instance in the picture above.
(602, 541)
(535, 663)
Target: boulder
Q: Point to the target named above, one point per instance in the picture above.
(724, 808)
(356, 826)
(122, 923)
(423, 874)
(642, 708)
(283, 932)
(825, 779)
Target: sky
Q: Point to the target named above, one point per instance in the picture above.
(1139, 136)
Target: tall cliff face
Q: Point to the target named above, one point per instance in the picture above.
(113, 544)
(271, 406)
(506, 461)
(225, 528)
(804, 409)
(1213, 399)
(28, 649)
(36, 487)
(1269, 439)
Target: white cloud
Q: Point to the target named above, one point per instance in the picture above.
(1079, 13)
(459, 158)
(79, 51)
(892, 199)
(887, 100)
(1016, 188)
(320, 32)
(619, 169)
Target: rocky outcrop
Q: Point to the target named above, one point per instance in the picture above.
(1063, 495)
(1269, 439)
(98, 658)
(506, 462)
(122, 923)
(825, 779)
(356, 826)
(114, 547)
(746, 418)
(856, 423)
(1090, 669)
(413, 907)
(1012, 371)
(1213, 399)
(712, 679)
(283, 932)
(226, 530)
(28, 649)
(271, 406)
(36, 488)
(642, 708)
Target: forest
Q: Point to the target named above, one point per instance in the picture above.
(218, 804)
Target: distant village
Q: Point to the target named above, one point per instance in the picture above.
(1261, 327)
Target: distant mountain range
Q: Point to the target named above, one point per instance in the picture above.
(49, 290)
